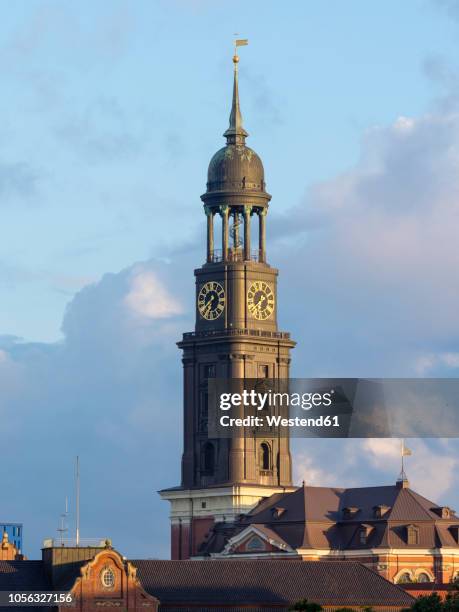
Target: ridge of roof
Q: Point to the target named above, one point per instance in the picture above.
(430, 505)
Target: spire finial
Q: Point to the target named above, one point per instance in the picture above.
(235, 134)
(404, 452)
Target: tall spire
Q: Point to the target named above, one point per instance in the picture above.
(235, 134)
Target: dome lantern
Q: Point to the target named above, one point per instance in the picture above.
(236, 189)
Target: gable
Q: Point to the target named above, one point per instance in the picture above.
(256, 539)
(109, 580)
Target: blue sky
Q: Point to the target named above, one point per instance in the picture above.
(110, 114)
(113, 110)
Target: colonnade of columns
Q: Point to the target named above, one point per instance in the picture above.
(225, 212)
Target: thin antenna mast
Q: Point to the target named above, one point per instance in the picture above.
(77, 538)
(63, 529)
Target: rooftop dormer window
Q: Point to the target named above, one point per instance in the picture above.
(380, 510)
(350, 512)
(277, 512)
(443, 512)
(364, 533)
(412, 535)
(454, 530)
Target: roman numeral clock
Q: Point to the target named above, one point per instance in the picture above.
(235, 336)
(211, 300)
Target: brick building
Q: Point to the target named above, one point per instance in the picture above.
(102, 578)
(392, 530)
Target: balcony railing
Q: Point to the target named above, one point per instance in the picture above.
(238, 332)
(235, 255)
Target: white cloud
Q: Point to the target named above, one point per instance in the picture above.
(426, 364)
(430, 471)
(305, 468)
(377, 257)
(382, 449)
(108, 392)
(148, 297)
(404, 124)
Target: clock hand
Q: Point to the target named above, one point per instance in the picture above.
(211, 303)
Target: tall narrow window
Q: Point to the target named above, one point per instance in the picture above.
(265, 456)
(209, 458)
(203, 411)
(412, 535)
(208, 370)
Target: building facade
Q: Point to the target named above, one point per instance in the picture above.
(99, 577)
(393, 530)
(8, 551)
(236, 336)
(14, 532)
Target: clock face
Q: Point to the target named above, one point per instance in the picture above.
(211, 300)
(260, 300)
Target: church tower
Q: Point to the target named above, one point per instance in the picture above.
(236, 336)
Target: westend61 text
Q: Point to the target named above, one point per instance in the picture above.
(278, 421)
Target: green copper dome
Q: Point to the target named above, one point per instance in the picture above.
(235, 167)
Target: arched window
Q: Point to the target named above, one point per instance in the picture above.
(265, 456)
(423, 577)
(209, 458)
(404, 578)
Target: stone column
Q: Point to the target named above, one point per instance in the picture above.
(210, 234)
(247, 211)
(262, 235)
(237, 455)
(224, 211)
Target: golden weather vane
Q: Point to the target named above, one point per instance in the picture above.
(238, 42)
(404, 452)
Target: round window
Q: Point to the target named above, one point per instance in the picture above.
(108, 578)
